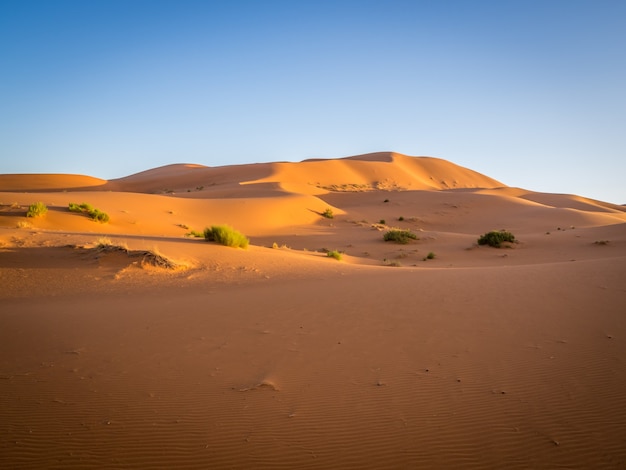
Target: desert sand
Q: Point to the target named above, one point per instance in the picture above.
(130, 344)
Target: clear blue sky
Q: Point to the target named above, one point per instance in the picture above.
(532, 93)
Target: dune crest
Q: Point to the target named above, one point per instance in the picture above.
(49, 182)
(382, 171)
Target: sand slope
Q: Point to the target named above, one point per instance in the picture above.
(284, 358)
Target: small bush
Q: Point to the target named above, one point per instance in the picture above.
(99, 216)
(495, 238)
(334, 254)
(226, 235)
(88, 209)
(430, 255)
(382, 222)
(399, 236)
(328, 213)
(401, 218)
(36, 210)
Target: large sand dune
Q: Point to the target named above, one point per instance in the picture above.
(155, 349)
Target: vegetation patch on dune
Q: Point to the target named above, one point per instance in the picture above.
(496, 238)
(399, 236)
(334, 254)
(226, 235)
(148, 258)
(195, 234)
(328, 213)
(88, 209)
(36, 210)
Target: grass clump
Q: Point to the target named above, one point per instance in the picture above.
(399, 236)
(36, 210)
(430, 255)
(195, 234)
(226, 235)
(88, 209)
(328, 213)
(334, 254)
(495, 238)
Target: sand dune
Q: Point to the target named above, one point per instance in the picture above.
(133, 345)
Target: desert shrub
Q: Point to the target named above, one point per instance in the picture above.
(382, 222)
(334, 254)
(226, 235)
(495, 238)
(400, 218)
(99, 216)
(36, 210)
(88, 209)
(399, 236)
(601, 242)
(328, 213)
(430, 255)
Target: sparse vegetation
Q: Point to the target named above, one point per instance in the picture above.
(105, 243)
(430, 255)
(399, 236)
(152, 258)
(334, 254)
(601, 242)
(196, 234)
(226, 235)
(382, 222)
(37, 209)
(386, 200)
(328, 213)
(88, 209)
(24, 224)
(496, 238)
(394, 264)
(400, 218)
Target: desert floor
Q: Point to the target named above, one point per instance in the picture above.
(130, 344)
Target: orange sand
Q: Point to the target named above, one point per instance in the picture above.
(285, 358)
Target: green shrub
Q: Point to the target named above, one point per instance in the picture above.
(73, 207)
(334, 254)
(399, 236)
(382, 222)
(88, 209)
(36, 210)
(495, 238)
(430, 255)
(99, 216)
(226, 235)
(328, 213)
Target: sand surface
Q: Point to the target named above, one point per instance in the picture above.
(132, 345)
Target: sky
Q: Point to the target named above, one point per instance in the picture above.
(531, 93)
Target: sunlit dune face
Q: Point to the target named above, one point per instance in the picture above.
(363, 325)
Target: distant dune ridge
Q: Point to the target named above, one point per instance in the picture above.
(135, 344)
